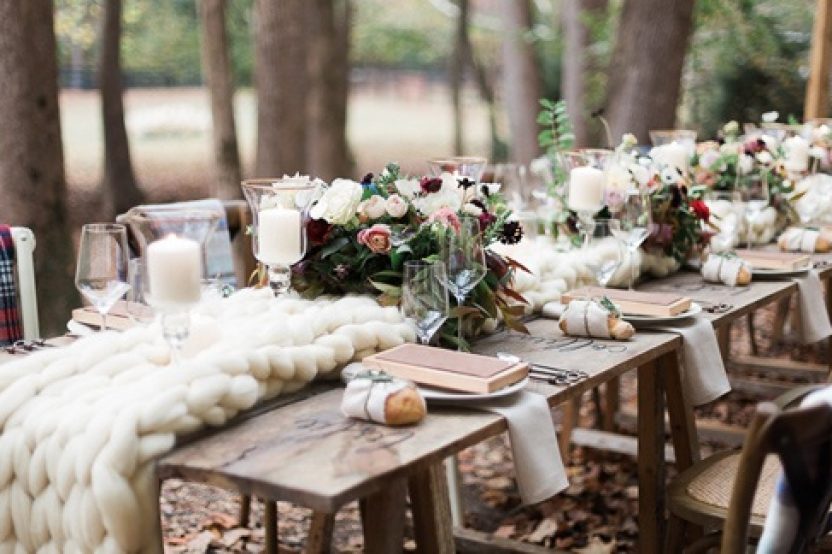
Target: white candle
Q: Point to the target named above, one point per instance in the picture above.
(278, 236)
(174, 269)
(672, 154)
(797, 154)
(586, 189)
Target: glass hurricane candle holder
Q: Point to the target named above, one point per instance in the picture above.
(586, 183)
(461, 167)
(171, 243)
(280, 209)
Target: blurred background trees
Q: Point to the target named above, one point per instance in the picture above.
(170, 99)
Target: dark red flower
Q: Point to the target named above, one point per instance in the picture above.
(318, 231)
(700, 209)
(430, 184)
(486, 219)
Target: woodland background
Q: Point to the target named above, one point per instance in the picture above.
(108, 103)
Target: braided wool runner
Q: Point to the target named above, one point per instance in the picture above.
(82, 424)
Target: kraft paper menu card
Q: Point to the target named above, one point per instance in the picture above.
(634, 302)
(765, 259)
(447, 369)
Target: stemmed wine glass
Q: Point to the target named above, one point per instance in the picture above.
(633, 226)
(755, 196)
(606, 252)
(464, 257)
(425, 297)
(101, 272)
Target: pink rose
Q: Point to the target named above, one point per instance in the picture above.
(376, 238)
(446, 217)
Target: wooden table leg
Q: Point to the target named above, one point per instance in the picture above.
(723, 337)
(431, 509)
(780, 316)
(752, 340)
(245, 510)
(680, 412)
(454, 484)
(270, 525)
(571, 412)
(612, 403)
(319, 540)
(651, 465)
(382, 516)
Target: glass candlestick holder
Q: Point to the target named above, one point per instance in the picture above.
(280, 210)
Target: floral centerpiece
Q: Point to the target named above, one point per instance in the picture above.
(361, 234)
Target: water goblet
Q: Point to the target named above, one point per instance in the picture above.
(464, 256)
(101, 271)
(425, 297)
(632, 226)
(605, 258)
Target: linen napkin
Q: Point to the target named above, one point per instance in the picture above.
(703, 372)
(534, 445)
(11, 328)
(814, 318)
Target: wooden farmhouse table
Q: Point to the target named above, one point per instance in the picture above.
(300, 449)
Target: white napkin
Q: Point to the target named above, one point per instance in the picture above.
(534, 444)
(721, 269)
(814, 318)
(703, 373)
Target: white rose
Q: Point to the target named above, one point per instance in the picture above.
(640, 173)
(339, 202)
(431, 202)
(408, 188)
(771, 142)
(765, 158)
(618, 178)
(745, 164)
(374, 207)
(396, 206)
(770, 117)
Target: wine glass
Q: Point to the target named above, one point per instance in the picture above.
(464, 257)
(461, 167)
(606, 251)
(101, 272)
(633, 226)
(755, 197)
(586, 181)
(280, 209)
(425, 297)
(138, 310)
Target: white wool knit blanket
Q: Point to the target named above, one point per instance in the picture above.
(81, 425)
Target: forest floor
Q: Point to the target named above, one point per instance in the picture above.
(597, 514)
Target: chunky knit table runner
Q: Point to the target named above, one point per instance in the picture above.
(81, 425)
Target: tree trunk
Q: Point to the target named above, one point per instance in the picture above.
(456, 71)
(32, 184)
(577, 66)
(119, 180)
(327, 153)
(646, 69)
(521, 74)
(217, 69)
(280, 68)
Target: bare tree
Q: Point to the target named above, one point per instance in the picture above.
(522, 81)
(577, 64)
(119, 179)
(327, 153)
(32, 183)
(217, 69)
(280, 68)
(646, 69)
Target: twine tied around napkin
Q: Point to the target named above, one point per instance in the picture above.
(726, 268)
(594, 318)
(803, 239)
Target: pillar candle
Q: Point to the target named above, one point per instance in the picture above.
(174, 269)
(797, 154)
(672, 154)
(586, 189)
(278, 236)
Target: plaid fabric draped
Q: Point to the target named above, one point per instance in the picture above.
(11, 328)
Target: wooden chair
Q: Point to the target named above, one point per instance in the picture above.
(732, 490)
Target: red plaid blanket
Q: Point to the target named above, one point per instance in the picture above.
(10, 326)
